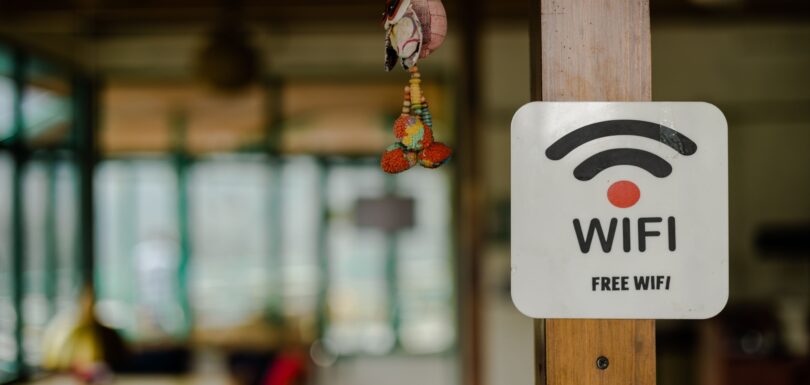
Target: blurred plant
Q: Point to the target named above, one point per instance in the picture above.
(78, 343)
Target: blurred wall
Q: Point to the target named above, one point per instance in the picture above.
(757, 73)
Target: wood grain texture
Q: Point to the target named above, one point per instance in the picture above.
(593, 50)
(470, 199)
(573, 346)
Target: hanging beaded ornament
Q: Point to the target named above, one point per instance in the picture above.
(413, 130)
(414, 29)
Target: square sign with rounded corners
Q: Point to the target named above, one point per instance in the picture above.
(619, 210)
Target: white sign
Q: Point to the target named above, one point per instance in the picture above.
(619, 210)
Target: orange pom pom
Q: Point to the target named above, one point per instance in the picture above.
(427, 137)
(435, 155)
(400, 126)
(395, 159)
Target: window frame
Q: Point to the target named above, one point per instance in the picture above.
(79, 149)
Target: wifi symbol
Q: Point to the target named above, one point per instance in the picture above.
(623, 193)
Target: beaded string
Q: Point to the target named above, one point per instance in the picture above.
(416, 91)
(426, 118)
(406, 103)
(414, 99)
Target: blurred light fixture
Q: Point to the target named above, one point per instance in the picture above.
(228, 61)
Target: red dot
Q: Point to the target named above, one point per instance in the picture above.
(623, 194)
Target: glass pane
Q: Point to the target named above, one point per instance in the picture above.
(66, 213)
(46, 105)
(137, 270)
(231, 278)
(424, 264)
(359, 303)
(8, 315)
(301, 216)
(6, 94)
(36, 309)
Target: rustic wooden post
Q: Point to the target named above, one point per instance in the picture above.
(592, 50)
(469, 197)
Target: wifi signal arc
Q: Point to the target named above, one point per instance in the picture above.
(650, 130)
(595, 164)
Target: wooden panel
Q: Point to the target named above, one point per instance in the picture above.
(470, 198)
(593, 51)
(138, 117)
(573, 346)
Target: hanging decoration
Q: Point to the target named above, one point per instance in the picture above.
(413, 30)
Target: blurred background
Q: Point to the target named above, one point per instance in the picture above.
(210, 168)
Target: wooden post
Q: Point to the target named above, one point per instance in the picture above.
(592, 50)
(469, 197)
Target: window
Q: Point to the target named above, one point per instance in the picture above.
(138, 249)
(8, 312)
(360, 318)
(50, 225)
(39, 204)
(389, 289)
(300, 241)
(425, 290)
(46, 104)
(232, 278)
(6, 94)
(65, 195)
(246, 240)
(35, 264)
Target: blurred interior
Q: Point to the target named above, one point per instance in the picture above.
(212, 168)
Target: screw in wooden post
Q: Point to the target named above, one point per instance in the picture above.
(602, 362)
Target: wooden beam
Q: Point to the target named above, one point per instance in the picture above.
(592, 51)
(573, 348)
(351, 13)
(469, 197)
(595, 50)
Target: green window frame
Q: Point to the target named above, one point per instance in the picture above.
(45, 155)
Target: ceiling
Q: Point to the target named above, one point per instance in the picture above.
(108, 13)
(130, 37)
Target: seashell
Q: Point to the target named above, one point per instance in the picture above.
(422, 10)
(406, 38)
(433, 17)
(394, 11)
